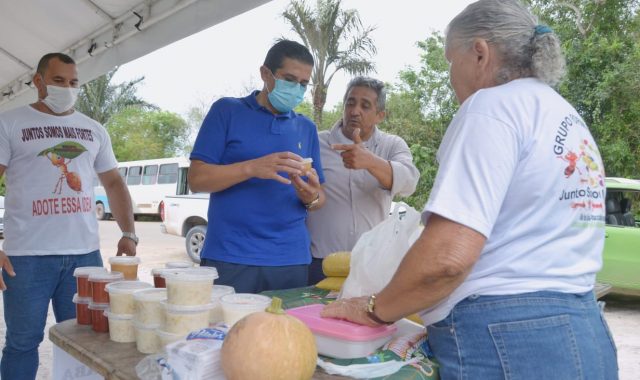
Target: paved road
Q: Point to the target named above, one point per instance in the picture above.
(155, 249)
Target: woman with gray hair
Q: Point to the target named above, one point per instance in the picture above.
(504, 270)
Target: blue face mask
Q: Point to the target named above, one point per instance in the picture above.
(286, 95)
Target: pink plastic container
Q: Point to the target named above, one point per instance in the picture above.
(342, 339)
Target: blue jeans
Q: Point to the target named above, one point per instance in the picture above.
(541, 335)
(256, 279)
(38, 280)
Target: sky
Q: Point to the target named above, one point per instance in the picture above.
(224, 60)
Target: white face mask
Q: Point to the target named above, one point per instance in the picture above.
(60, 99)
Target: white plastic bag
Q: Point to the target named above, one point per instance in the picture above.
(378, 252)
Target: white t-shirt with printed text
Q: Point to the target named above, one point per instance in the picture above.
(51, 165)
(519, 165)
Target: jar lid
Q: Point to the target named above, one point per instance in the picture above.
(106, 277)
(81, 300)
(179, 264)
(153, 294)
(118, 317)
(199, 274)
(126, 287)
(162, 271)
(221, 290)
(86, 271)
(186, 309)
(98, 306)
(245, 300)
(124, 260)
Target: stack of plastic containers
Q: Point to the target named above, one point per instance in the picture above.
(188, 303)
(147, 318)
(215, 315)
(121, 309)
(82, 298)
(100, 298)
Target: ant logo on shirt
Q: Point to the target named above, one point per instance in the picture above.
(58, 155)
(587, 168)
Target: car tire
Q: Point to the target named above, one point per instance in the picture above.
(194, 242)
(100, 213)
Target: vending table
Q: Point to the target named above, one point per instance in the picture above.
(117, 361)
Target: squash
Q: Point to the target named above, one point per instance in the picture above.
(269, 345)
(331, 283)
(337, 264)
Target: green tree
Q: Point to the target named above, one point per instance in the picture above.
(100, 99)
(329, 118)
(137, 134)
(337, 40)
(419, 109)
(602, 48)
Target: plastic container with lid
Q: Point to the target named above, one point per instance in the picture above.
(158, 275)
(165, 338)
(99, 321)
(237, 306)
(306, 164)
(82, 279)
(121, 327)
(121, 295)
(127, 265)
(147, 341)
(190, 286)
(99, 281)
(148, 310)
(181, 319)
(342, 339)
(215, 314)
(83, 314)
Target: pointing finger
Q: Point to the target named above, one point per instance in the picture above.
(356, 136)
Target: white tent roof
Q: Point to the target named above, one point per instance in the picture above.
(98, 34)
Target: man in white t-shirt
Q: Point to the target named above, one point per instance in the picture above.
(505, 267)
(50, 154)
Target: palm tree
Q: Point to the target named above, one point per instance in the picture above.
(100, 99)
(337, 40)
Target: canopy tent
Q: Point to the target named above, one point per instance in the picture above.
(98, 34)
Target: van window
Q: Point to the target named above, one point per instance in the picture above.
(150, 175)
(135, 173)
(123, 172)
(168, 173)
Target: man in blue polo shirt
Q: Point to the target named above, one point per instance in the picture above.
(248, 155)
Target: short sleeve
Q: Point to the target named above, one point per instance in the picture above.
(477, 160)
(211, 140)
(105, 159)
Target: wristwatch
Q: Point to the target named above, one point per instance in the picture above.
(313, 202)
(132, 236)
(371, 313)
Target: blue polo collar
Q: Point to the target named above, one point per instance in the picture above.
(252, 102)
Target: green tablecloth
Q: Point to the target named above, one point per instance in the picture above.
(425, 369)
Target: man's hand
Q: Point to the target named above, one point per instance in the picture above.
(267, 167)
(6, 266)
(307, 192)
(351, 309)
(126, 247)
(355, 156)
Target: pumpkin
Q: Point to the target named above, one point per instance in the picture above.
(269, 345)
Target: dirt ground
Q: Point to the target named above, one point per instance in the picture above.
(155, 249)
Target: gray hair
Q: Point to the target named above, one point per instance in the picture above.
(511, 28)
(372, 83)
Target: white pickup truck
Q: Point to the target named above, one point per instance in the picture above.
(186, 215)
